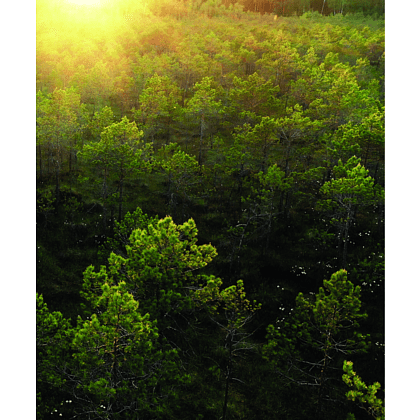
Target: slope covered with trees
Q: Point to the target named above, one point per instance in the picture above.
(210, 210)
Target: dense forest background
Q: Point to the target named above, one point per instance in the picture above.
(210, 210)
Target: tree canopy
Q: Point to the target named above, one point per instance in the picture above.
(201, 167)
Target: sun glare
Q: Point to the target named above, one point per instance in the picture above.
(91, 3)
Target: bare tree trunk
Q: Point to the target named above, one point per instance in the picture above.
(322, 10)
(228, 377)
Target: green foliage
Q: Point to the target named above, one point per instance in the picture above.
(123, 230)
(204, 110)
(235, 302)
(350, 188)
(72, 206)
(253, 94)
(204, 99)
(53, 337)
(45, 203)
(364, 394)
(101, 120)
(322, 322)
(260, 210)
(118, 361)
(60, 120)
(258, 142)
(160, 268)
(232, 300)
(351, 185)
(296, 135)
(335, 309)
(158, 103)
(118, 156)
(307, 346)
(181, 170)
(269, 132)
(238, 312)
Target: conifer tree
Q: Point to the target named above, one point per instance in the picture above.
(351, 188)
(119, 369)
(308, 347)
(120, 154)
(364, 394)
(53, 338)
(181, 173)
(161, 270)
(204, 109)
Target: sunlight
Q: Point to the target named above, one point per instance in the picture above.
(91, 3)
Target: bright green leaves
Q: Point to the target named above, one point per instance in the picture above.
(279, 62)
(331, 90)
(232, 300)
(121, 148)
(117, 312)
(53, 338)
(208, 295)
(350, 188)
(119, 154)
(59, 122)
(204, 110)
(164, 258)
(121, 134)
(159, 277)
(119, 151)
(352, 185)
(180, 167)
(123, 230)
(117, 356)
(369, 135)
(254, 95)
(337, 307)
(231, 311)
(159, 269)
(158, 102)
(100, 121)
(237, 307)
(272, 183)
(258, 142)
(115, 331)
(205, 99)
(306, 346)
(52, 332)
(181, 170)
(118, 347)
(364, 394)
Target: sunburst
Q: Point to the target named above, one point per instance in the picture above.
(87, 3)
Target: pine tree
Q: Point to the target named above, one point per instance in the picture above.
(307, 347)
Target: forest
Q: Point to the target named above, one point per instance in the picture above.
(210, 206)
